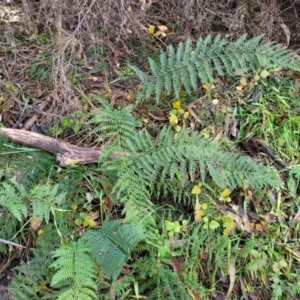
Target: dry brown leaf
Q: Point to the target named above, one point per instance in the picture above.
(231, 277)
(160, 33)
(296, 218)
(177, 266)
(94, 215)
(218, 137)
(233, 128)
(243, 288)
(248, 227)
(163, 28)
(35, 223)
(260, 227)
(287, 33)
(107, 202)
(269, 217)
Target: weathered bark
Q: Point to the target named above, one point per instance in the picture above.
(66, 154)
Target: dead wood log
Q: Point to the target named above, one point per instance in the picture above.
(66, 153)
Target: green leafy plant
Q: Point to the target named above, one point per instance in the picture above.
(188, 63)
(112, 244)
(143, 173)
(140, 160)
(74, 272)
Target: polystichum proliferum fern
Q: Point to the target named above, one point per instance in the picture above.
(189, 63)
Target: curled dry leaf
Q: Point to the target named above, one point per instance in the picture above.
(35, 223)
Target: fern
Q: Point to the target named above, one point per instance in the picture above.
(44, 199)
(188, 63)
(12, 198)
(112, 244)
(173, 157)
(143, 161)
(30, 280)
(74, 272)
(9, 225)
(112, 122)
(25, 165)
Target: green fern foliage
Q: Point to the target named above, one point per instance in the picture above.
(158, 280)
(172, 157)
(139, 160)
(12, 199)
(112, 245)
(30, 280)
(25, 165)
(111, 122)
(45, 199)
(190, 63)
(74, 272)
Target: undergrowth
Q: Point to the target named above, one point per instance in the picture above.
(163, 215)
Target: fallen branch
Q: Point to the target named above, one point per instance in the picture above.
(66, 154)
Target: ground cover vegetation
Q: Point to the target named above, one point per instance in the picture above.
(196, 108)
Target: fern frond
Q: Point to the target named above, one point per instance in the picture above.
(74, 272)
(12, 198)
(171, 157)
(113, 122)
(44, 198)
(23, 164)
(159, 281)
(28, 281)
(112, 244)
(189, 64)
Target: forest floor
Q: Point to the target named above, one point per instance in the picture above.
(52, 69)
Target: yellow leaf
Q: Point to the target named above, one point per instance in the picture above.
(176, 104)
(198, 215)
(180, 111)
(197, 205)
(239, 88)
(204, 206)
(151, 29)
(74, 206)
(198, 212)
(243, 81)
(186, 115)
(264, 74)
(91, 222)
(196, 190)
(225, 192)
(206, 86)
(219, 217)
(40, 232)
(256, 77)
(173, 119)
(178, 128)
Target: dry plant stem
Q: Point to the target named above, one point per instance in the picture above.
(157, 118)
(11, 243)
(192, 113)
(66, 154)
